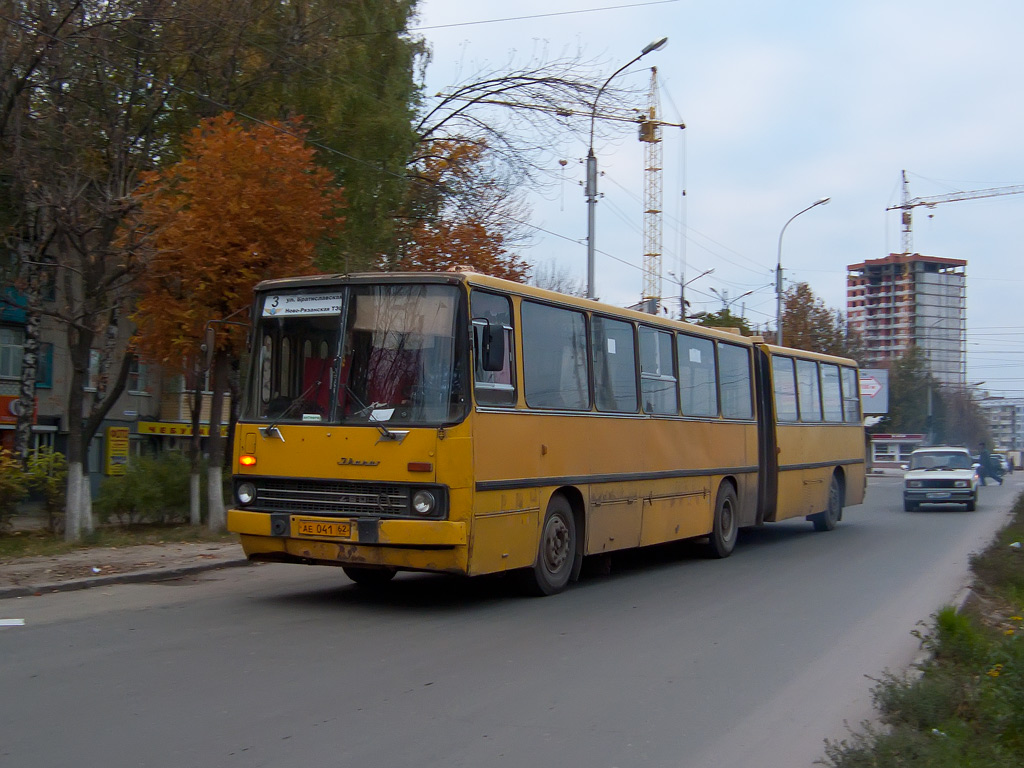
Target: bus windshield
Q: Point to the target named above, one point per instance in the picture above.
(361, 354)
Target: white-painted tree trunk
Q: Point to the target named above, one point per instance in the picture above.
(85, 519)
(195, 506)
(73, 507)
(215, 496)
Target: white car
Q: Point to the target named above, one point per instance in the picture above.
(940, 474)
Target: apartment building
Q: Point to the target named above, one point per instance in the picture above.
(906, 300)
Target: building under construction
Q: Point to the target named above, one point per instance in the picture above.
(905, 300)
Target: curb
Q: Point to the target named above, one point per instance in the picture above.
(131, 577)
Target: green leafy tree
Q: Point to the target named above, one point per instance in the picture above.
(723, 318)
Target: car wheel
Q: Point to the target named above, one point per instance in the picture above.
(909, 506)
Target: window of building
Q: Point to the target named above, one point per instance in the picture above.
(614, 365)
(138, 377)
(12, 341)
(554, 357)
(657, 371)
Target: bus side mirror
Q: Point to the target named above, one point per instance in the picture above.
(492, 347)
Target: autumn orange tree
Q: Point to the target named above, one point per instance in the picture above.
(245, 203)
(460, 213)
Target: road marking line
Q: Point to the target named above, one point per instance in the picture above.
(12, 622)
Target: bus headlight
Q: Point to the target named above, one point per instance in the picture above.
(423, 503)
(245, 493)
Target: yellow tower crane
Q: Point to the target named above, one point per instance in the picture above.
(650, 135)
(909, 203)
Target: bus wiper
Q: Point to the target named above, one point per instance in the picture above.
(369, 409)
(272, 429)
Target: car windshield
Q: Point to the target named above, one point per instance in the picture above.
(366, 354)
(941, 460)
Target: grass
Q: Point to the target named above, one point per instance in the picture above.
(965, 706)
(17, 544)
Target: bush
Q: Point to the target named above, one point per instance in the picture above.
(151, 490)
(48, 477)
(13, 486)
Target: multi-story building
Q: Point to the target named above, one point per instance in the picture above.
(906, 300)
(1006, 421)
(150, 416)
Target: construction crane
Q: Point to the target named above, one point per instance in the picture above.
(650, 135)
(909, 204)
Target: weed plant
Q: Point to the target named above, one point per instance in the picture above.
(965, 708)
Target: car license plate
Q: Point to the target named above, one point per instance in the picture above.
(938, 495)
(334, 529)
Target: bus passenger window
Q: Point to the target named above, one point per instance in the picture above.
(831, 395)
(493, 387)
(810, 391)
(698, 387)
(785, 388)
(734, 373)
(614, 365)
(851, 396)
(657, 372)
(554, 358)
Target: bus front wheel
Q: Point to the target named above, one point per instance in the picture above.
(556, 551)
(722, 540)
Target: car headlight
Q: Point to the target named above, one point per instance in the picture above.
(960, 484)
(423, 503)
(245, 493)
(913, 483)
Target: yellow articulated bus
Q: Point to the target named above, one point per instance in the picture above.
(464, 424)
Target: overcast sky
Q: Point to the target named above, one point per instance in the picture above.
(784, 103)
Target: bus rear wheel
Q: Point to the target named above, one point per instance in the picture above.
(369, 577)
(556, 552)
(722, 540)
(829, 519)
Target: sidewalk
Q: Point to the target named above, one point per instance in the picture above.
(100, 566)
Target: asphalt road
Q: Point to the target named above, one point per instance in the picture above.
(671, 660)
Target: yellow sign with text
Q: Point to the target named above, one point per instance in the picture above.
(118, 441)
(176, 429)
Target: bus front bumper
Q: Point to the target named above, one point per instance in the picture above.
(422, 545)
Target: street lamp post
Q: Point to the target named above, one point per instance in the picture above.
(591, 187)
(778, 270)
(726, 301)
(682, 290)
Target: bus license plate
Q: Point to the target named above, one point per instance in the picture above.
(331, 528)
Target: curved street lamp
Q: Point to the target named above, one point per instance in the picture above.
(591, 188)
(726, 301)
(778, 270)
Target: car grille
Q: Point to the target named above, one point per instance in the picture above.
(330, 497)
(942, 483)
